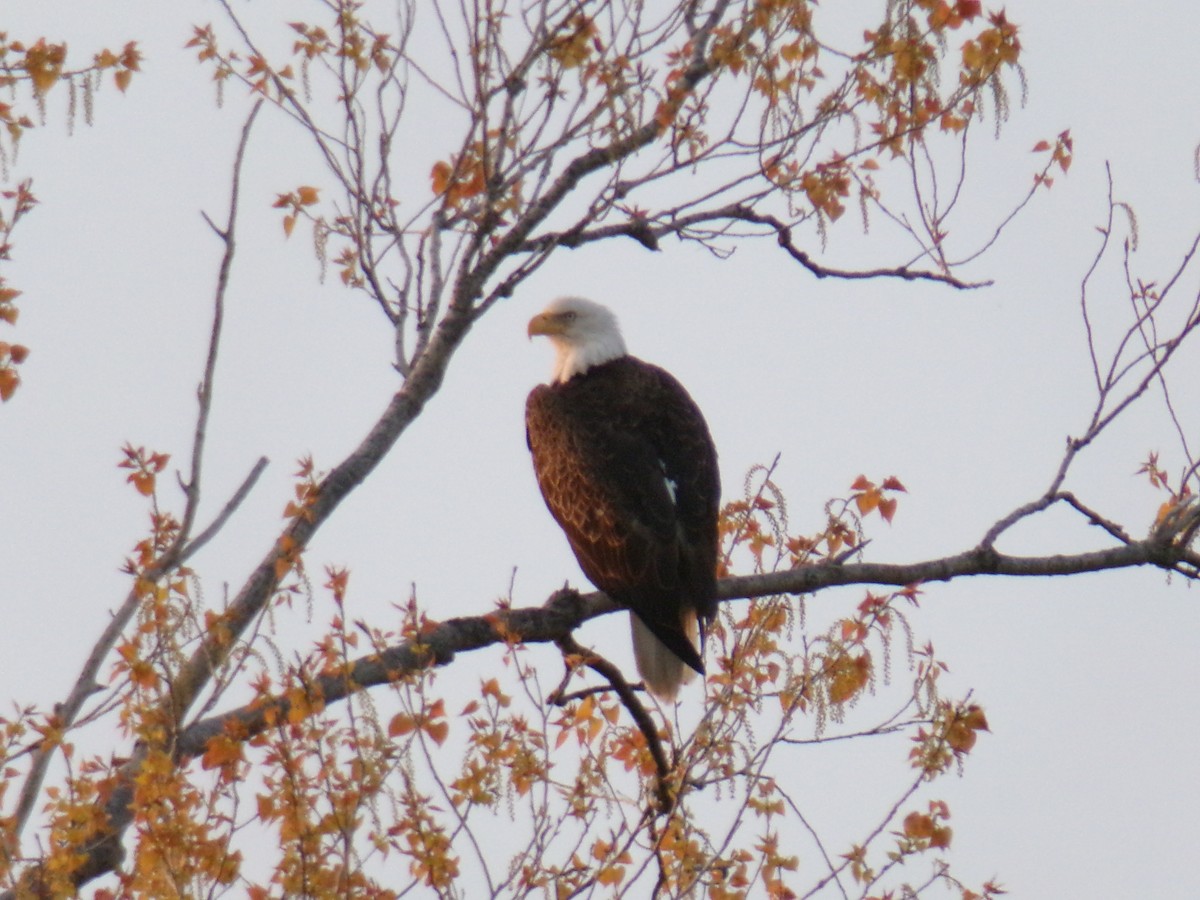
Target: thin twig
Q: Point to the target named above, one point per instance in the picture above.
(86, 684)
(783, 234)
(205, 391)
(228, 510)
(598, 664)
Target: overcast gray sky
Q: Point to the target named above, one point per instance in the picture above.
(1090, 781)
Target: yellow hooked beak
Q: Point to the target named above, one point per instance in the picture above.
(546, 324)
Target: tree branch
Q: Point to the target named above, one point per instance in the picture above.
(783, 234)
(625, 691)
(86, 684)
(422, 382)
(228, 510)
(649, 233)
(567, 610)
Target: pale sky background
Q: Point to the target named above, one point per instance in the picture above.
(1089, 784)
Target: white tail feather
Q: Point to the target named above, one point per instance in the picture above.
(663, 672)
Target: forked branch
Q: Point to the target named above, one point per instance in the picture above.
(567, 610)
(183, 546)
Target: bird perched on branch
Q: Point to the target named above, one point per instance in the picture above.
(627, 467)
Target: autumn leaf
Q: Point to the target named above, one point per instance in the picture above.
(610, 875)
(144, 482)
(435, 724)
(918, 825)
(302, 704)
(437, 731)
(9, 382)
(221, 751)
(44, 62)
(867, 501)
(401, 724)
(975, 719)
(440, 176)
(961, 735)
(848, 675)
(853, 632)
(887, 509)
(572, 48)
(969, 9)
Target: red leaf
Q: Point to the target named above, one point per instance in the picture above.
(887, 509)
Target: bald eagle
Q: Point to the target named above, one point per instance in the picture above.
(627, 467)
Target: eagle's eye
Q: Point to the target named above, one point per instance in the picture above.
(570, 315)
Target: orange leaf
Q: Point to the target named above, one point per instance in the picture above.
(43, 62)
(975, 719)
(610, 875)
(9, 380)
(887, 509)
(852, 631)
(221, 751)
(437, 731)
(968, 9)
(960, 738)
(867, 501)
(918, 825)
(144, 482)
(402, 723)
(299, 706)
(849, 675)
(440, 175)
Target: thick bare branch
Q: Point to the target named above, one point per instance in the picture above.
(567, 610)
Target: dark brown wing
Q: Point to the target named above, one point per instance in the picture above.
(628, 469)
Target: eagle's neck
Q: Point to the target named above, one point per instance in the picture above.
(573, 359)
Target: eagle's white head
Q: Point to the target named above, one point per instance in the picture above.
(583, 332)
